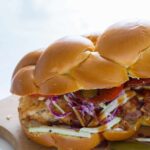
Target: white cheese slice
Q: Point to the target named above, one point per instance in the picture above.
(58, 107)
(83, 132)
(102, 105)
(102, 128)
(143, 139)
(59, 130)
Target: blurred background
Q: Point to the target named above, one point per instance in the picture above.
(27, 25)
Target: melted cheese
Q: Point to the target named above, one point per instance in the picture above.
(83, 132)
(59, 130)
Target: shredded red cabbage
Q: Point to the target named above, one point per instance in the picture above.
(49, 105)
(88, 108)
(110, 117)
(73, 101)
(84, 107)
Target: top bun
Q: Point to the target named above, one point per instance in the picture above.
(124, 41)
(90, 62)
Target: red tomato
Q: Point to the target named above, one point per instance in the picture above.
(104, 95)
(107, 95)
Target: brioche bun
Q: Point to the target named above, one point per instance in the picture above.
(93, 36)
(64, 67)
(23, 81)
(122, 50)
(29, 59)
(123, 42)
(141, 68)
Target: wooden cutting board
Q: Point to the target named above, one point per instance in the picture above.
(10, 127)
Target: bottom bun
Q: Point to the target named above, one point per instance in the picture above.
(62, 142)
(116, 135)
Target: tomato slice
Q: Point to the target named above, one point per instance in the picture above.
(104, 95)
(107, 95)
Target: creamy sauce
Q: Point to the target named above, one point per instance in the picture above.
(116, 103)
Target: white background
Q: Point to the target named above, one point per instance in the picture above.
(27, 25)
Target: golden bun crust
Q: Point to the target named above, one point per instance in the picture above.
(87, 62)
(64, 67)
(29, 59)
(23, 81)
(59, 84)
(141, 68)
(123, 42)
(102, 74)
(93, 37)
(61, 56)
